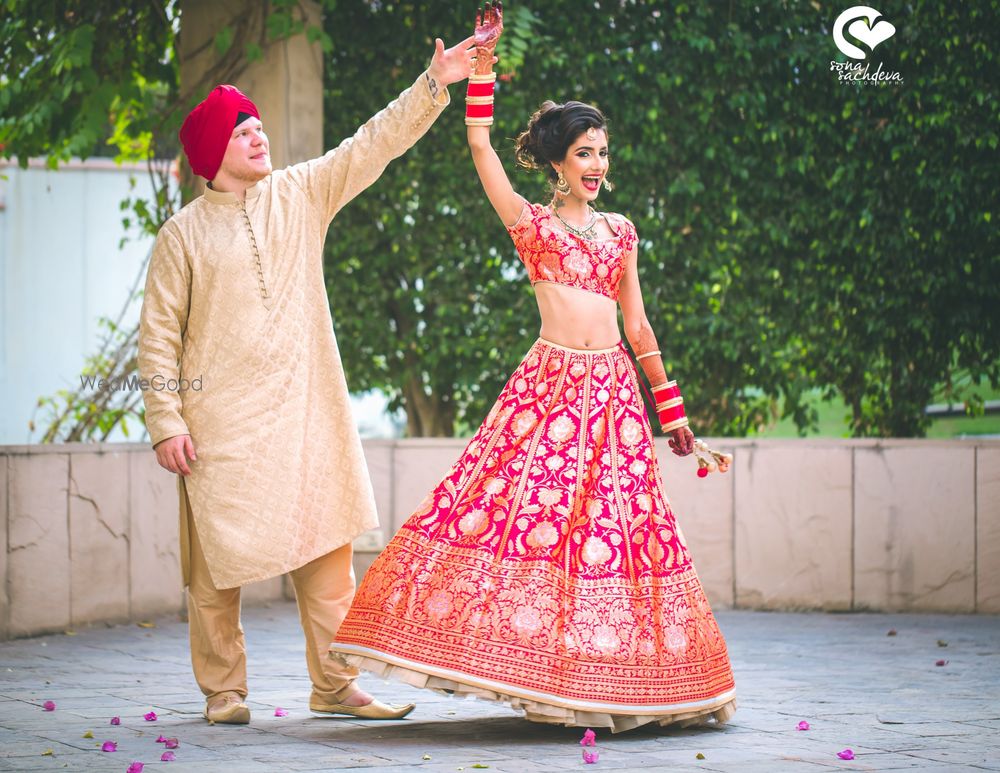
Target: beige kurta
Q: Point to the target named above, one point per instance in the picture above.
(280, 477)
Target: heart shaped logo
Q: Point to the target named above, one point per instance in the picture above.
(870, 32)
(880, 32)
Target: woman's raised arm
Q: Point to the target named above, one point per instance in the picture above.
(479, 117)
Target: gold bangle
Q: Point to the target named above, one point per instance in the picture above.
(669, 404)
(479, 100)
(488, 77)
(676, 424)
(478, 121)
(647, 354)
(664, 385)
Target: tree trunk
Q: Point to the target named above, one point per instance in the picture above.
(427, 415)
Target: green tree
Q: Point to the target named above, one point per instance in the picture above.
(796, 232)
(102, 78)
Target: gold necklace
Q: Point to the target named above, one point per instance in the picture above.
(588, 231)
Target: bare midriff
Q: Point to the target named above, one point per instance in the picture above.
(575, 318)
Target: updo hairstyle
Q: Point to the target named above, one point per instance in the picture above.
(551, 130)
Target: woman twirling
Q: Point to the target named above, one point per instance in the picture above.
(547, 570)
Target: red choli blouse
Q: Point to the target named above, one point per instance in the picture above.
(553, 254)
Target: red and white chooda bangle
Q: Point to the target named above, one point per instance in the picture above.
(669, 406)
(479, 100)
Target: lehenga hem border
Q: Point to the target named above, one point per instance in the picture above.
(537, 706)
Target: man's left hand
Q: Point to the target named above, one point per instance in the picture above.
(450, 65)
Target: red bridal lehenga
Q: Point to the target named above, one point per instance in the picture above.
(547, 570)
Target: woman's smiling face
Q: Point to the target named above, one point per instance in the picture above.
(586, 164)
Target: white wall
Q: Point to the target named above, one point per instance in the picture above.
(61, 269)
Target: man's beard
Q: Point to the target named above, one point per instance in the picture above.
(250, 176)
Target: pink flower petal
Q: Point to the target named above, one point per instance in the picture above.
(171, 743)
(803, 725)
(49, 706)
(135, 767)
(109, 746)
(589, 738)
(847, 754)
(161, 739)
(116, 720)
(150, 717)
(168, 757)
(941, 663)
(280, 712)
(590, 757)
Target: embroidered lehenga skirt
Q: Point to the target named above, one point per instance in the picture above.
(547, 570)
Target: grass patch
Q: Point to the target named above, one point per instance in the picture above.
(833, 422)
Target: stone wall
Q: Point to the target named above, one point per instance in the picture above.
(91, 530)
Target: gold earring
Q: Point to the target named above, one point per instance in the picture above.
(608, 185)
(562, 187)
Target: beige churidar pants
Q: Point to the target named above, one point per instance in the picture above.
(324, 589)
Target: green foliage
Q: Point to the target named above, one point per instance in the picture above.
(77, 75)
(795, 232)
(80, 78)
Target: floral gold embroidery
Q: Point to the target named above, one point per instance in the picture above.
(548, 559)
(543, 535)
(595, 551)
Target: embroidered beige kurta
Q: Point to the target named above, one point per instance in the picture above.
(258, 383)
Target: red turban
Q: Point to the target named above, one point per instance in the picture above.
(206, 131)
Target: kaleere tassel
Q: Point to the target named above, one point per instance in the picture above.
(709, 460)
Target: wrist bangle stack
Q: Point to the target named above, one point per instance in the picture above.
(670, 406)
(479, 100)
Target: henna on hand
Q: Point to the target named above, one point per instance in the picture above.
(489, 25)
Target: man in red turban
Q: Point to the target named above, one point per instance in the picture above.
(247, 399)
(207, 130)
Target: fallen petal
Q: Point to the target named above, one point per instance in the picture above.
(699, 756)
(168, 757)
(941, 663)
(590, 756)
(171, 743)
(161, 739)
(803, 725)
(480, 766)
(88, 734)
(146, 624)
(116, 720)
(847, 754)
(892, 632)
(135, 767)
(49, 706)
(109, 746)
(426, 757)
(150, 717)
(280, 712)
(48, 753)
(942, 643)
(589, 738)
